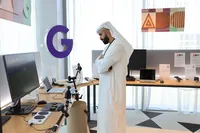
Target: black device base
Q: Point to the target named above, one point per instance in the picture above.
(56, 84)
(4, 119)
(24, 110)
(130, 78)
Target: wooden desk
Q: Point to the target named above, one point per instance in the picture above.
(167, 83)
(17, 124)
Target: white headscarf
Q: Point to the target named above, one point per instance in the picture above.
(128, 47)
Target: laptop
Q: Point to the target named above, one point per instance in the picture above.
(147, 75)
(50, 89)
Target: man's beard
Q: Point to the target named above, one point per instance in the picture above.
(106, 40)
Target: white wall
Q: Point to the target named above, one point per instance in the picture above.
(16, 37)
(49, 14)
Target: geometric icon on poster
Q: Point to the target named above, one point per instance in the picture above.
(148, 23)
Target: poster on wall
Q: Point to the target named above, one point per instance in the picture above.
(179, 59)
(18, 11)
(163, 20)
(195, 59)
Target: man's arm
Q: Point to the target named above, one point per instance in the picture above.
(105, 64)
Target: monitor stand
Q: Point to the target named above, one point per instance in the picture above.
(4, 119)
(20, 109)
(130, 78)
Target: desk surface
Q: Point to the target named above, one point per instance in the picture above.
(167, 83)
(17, 124)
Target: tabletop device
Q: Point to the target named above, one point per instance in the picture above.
(22, 79)
(49, 87)
(78, 71)
(161, 81)
(178, 78)
(39, 118)
(137, 61)
(56, 84)
(5, 92)
(73, 80)
(196, 79)
(148, 75)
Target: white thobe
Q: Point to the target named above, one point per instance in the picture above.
(112, 90)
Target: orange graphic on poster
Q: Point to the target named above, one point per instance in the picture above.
(178, 19)
(148, 23)
(162, 19)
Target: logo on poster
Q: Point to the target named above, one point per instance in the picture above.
(64, 42)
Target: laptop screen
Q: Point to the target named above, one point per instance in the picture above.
(47, 84)
(147, 74)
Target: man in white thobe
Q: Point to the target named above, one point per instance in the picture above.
(112, 68)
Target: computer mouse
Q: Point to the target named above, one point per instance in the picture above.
(42, 102)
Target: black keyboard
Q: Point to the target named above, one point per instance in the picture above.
(27, 107)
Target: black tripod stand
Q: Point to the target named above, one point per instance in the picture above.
(68, 95)
(79, 68)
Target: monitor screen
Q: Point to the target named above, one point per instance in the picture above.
(137, 60)
(147, 74)
(21, 74)
(4, 88)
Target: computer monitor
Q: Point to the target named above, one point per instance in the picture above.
(137, 60)
(22, 79)
(4, 90)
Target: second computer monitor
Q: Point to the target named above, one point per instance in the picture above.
(22, 77)
(137, 60)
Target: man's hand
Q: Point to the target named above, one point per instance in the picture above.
(100, 57)
(109, 69)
